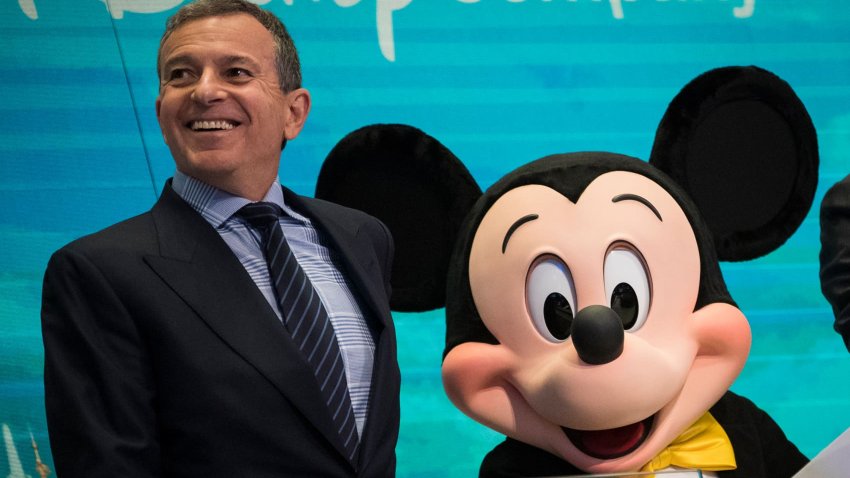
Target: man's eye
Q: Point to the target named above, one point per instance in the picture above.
(178, 74)
(238, 73)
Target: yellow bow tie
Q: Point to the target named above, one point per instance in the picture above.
(704, 446)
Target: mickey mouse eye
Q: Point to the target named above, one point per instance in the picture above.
(551, 298)
(627, 286)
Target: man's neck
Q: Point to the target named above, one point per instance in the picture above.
(251, 188)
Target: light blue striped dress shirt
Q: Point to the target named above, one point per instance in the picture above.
(320, 263)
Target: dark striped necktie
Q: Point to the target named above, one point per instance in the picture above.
(306, 319)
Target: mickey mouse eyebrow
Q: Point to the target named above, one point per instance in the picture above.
(515, 226)
(635, 197)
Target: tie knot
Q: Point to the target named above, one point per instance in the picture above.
(260, 214)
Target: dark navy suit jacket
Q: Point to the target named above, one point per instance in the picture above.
(162, 358)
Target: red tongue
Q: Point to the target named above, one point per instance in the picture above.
(610, 443)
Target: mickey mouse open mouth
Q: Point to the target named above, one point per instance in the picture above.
(611, 443)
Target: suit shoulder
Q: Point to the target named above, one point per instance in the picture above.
(135, 233)
(338, 210)
(355, 219)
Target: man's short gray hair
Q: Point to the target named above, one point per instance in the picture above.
(286, 57)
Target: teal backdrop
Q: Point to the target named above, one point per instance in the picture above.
(499, 82)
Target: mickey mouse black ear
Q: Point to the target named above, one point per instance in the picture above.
(415, 186)
(740, 141)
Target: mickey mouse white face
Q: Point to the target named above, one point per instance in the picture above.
(601, 359)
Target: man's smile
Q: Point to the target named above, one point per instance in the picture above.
(212, 125)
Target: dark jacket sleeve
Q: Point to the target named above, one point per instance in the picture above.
(835, 254)
(98, 391)
(386, 257)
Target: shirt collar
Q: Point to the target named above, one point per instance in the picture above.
(217, 206)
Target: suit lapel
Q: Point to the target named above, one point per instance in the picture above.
(355, 252)
(199, 266)
(364, 275)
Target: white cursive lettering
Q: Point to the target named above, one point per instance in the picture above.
(28, 7)
(384, 19)
(384, 10)
(118, 7)
(745, 10)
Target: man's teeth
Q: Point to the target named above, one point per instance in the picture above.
(204, 125)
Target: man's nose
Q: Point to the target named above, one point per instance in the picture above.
(209, 89)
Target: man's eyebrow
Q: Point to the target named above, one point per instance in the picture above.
(514, 226)
(642, 200)
(231, 59)
(175, 60)
(227, 60)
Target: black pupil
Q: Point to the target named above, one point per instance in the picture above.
(625, 303)
(558, 315)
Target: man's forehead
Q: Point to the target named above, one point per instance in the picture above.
(238, 31)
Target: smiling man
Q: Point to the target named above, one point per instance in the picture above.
(236, 329)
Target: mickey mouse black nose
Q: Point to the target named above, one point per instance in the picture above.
(597, 334)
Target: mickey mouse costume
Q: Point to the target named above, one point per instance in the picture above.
(587, 318)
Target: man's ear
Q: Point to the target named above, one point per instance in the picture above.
(158, 106)
(298, 103)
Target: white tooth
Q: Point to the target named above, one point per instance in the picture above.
(220, 124)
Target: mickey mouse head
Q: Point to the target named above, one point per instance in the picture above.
(586, 312)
